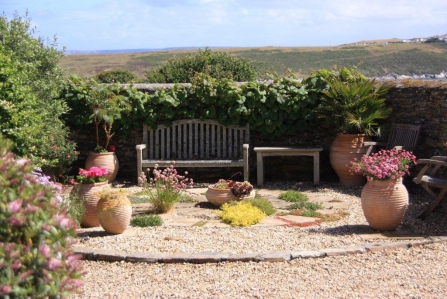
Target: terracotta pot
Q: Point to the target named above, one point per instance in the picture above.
(218, 196)
(384, 205)
(106, 160)
(88, 192)
(344, 149)
(114, 212)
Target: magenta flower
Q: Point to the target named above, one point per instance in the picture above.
(384, 165)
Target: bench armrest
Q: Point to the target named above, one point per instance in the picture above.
(432, 165)
(140, 147)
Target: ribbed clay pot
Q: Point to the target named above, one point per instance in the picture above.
(89, 194)
(114, 212)
(219, 196)
(384, 205)
(344, 149)
(107, 160)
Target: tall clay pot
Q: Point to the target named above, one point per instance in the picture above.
(219, 196)
(344, 149)
(107, 160)
(89, 193)
(384, 205)
(114, 212)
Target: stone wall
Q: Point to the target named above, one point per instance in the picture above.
(413, 102)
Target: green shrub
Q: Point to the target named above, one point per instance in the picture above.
(36, 236)
(218, 65)
(240, 214)
(116, 76)
(146, 220)
(263, 204)
(30, 112)
(305, 205)
(293, 196)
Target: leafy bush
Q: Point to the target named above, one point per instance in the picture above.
(218, 65)
(30, 113)
(263, 204)
(240, 214)
(116, 76)
(146, 220)
(36, 258)
(293, 196)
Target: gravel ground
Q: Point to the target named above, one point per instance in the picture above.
(405, 273)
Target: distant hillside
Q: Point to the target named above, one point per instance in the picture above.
(373, 58)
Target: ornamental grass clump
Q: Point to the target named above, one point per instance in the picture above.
(385, 165)
(240, 214)
(164, 187)
(36, 235)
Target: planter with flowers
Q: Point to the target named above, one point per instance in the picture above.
(114, 210)
(104, 158)
(384, 197)
(225, 191)
(87, 186)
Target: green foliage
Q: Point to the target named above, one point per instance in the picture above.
(116, 76)
(218, 65)
(30, 114)
(352, 104)
(240, 214)
(146, 220)
(95, 103)
(75, 207)
(263, 204)
(305, 205)
(36, 236)
(293, 196)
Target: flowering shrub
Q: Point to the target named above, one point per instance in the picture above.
(384, 165)
(91, 176)
(240, 213)
(164, 187)
(46, 181)
(36, 237)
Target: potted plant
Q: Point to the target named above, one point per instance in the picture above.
(87, 186)
(384, 197)
(352, 107)
(114, 210)
(103, 105)
(228, 190)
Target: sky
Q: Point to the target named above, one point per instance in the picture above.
(158, 24)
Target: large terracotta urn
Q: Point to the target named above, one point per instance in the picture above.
(384, 203)
(114, 211)
(107, 160)
(88, 193)
(219, 196)
(343, 150)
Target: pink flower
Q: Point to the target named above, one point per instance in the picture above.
(44, 250)
(15, 205)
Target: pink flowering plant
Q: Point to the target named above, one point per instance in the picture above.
(164, 187)
(385, 165)
(91, 176)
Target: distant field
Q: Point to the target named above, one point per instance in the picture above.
(373, 60)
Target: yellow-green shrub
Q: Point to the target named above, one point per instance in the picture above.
(240, 214)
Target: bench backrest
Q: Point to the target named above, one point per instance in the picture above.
(193, 139)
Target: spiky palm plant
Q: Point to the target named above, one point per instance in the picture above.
(354, 107)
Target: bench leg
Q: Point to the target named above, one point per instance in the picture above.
(317, 168)
(260, 168)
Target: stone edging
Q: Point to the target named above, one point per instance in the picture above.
(217, 257)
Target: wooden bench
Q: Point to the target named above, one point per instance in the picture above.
(194, 143)
(262, 152)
